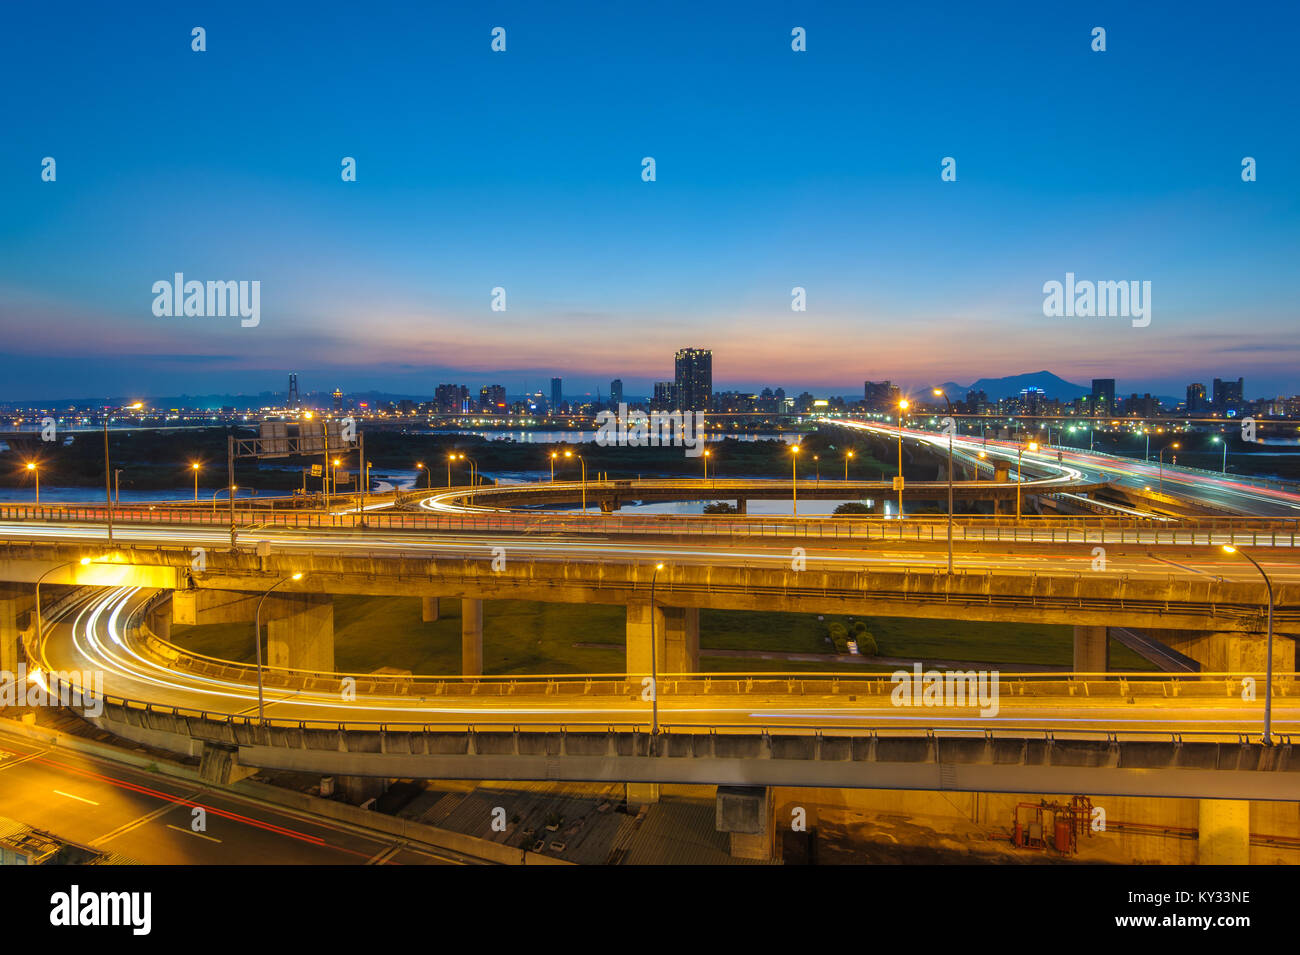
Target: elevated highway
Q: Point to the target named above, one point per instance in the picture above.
(1095, 734)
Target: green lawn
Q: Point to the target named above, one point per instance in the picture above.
(530, 637)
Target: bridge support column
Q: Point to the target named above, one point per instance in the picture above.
(742, 506)
(17, 609)
(1223, 833)
(642, 794)
(1091, 649)
(300, 632)
(681, 640)
(429, 609)
(748, 814)
(1231, 652)
(471, 637)
(638, 637)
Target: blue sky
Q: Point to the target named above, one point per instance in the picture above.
(522, 169)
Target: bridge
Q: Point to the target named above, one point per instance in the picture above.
(1165, 576)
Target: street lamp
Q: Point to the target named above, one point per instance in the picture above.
(108, 467)
(1268, 675)
(233, 489)
(706, 464)
(83, 562)
(257, 639)
(195, 468)
(1033, 446)
(944, 394)
(583, 462)
(554, 455)
(794, 479)
(654, 663)
(848, 456)
(1223, 441)
(31, 466)
(1161, 471)
(450, 458)
(817, 469)
(902, 406)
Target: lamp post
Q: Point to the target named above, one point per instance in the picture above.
(847, 458)
(902, 406)
(31, 466)
(108, 467)
(1223, 441)
(233, 489)
(1033, 446)
(83, 562)
(450, 458)
(554, 455)
(195, 468)
(1161, 471)
(705, 455)
(794, 479)
(940, 391)
(654, 663)
(1268, 674)
(257, 634)
(583, 462)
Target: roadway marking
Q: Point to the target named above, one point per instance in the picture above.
(382, 857)
(78, 798)
(7, 763)
(1190, 570)
(193, 833)
(147, 817)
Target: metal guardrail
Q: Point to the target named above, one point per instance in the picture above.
(1244, 531)
(1109, 685)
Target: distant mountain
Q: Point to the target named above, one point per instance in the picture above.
(1012, 385)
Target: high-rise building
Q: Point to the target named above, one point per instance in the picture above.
(337, 395)
(293, 401)
(1103, 396)
(1228, 394)
(663, 397)
(451, 399)
(557, 394)
(693, 381)
(492, 399)
(616, 393)
(880, 396)
(1195, 398)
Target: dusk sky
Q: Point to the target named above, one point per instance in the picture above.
(522, 170)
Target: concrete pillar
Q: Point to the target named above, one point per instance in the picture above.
(17, 607)
(1091, 649)
(638, 637)
(359, 789)
(471, 637)
(300, 633)
(747, 813)
(1231, 652)
(1223, 834)
(742, 506)
(681, 640)
(642, 794)
(429, 609)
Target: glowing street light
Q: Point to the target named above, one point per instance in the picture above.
(1268, 673)
(31, 466)
(1161, 471)
(257, 634)
(1033, 446)
(902, 406)
(848, 456)
(794, 479)
(194, 466)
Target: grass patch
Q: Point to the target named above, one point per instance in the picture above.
(522, 637)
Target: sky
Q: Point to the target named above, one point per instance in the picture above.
(522, 170)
